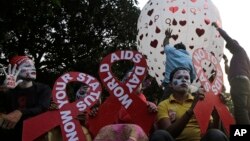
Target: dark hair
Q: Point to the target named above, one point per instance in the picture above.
(175, 70)
(180, 46)
(127, 74)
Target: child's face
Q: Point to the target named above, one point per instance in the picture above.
(181, 81)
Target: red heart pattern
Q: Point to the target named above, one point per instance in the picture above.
(182, 23)
(199, 32)
(175, 37)
(190, 17)
(207, 21)
(154, 43)
(173, 9)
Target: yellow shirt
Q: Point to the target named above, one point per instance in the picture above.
(173, 109)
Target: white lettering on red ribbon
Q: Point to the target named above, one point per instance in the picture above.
(60, 96)
(113, 85)
(69, 126)
(200, 55)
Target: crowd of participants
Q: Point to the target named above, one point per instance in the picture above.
(21, 98)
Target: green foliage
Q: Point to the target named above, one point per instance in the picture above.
(64, 35)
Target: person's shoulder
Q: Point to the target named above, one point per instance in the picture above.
(165, 102)
(169, 47)
(185, 52)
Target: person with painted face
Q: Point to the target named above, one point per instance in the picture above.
(175, 118)
(176, 56)
(23, 98)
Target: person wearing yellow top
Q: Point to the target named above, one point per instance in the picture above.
(175, 118)
(173, 110)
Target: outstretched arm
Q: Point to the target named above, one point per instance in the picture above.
(168, 33)
(232, 45)
(223, 33)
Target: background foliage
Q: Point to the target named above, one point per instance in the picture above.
(70, 35)
(63, 35)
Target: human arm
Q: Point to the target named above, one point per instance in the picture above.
(222, 32)
(168, 35)
(178, 124)
(10, 120)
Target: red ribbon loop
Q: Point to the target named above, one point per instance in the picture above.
(213, 90)
(66, 115)
(123, 93)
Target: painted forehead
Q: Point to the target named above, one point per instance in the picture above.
(27, 62)
(181, 72)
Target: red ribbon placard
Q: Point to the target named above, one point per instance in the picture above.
(212, 100)
(123, 93)
(65, 117)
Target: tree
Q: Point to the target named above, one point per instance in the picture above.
(63, 35)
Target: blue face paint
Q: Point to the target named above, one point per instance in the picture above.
(175, 83)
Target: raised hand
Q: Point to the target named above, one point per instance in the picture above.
(216, 24)
(11, 81)
(168, 34)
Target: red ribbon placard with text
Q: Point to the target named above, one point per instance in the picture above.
(123, 93)
(65, 117)
(212, 99)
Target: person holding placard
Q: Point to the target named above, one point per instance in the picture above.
(176, 56)
(175, 118)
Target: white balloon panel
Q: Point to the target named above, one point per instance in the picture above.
(190, 21)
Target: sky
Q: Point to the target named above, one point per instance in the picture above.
(235, 21)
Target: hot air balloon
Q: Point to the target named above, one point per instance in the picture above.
(190, 21)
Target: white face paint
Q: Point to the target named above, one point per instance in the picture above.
(28, 70)
(181, 81)
(82, 91)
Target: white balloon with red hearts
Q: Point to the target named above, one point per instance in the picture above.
(190, 21)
